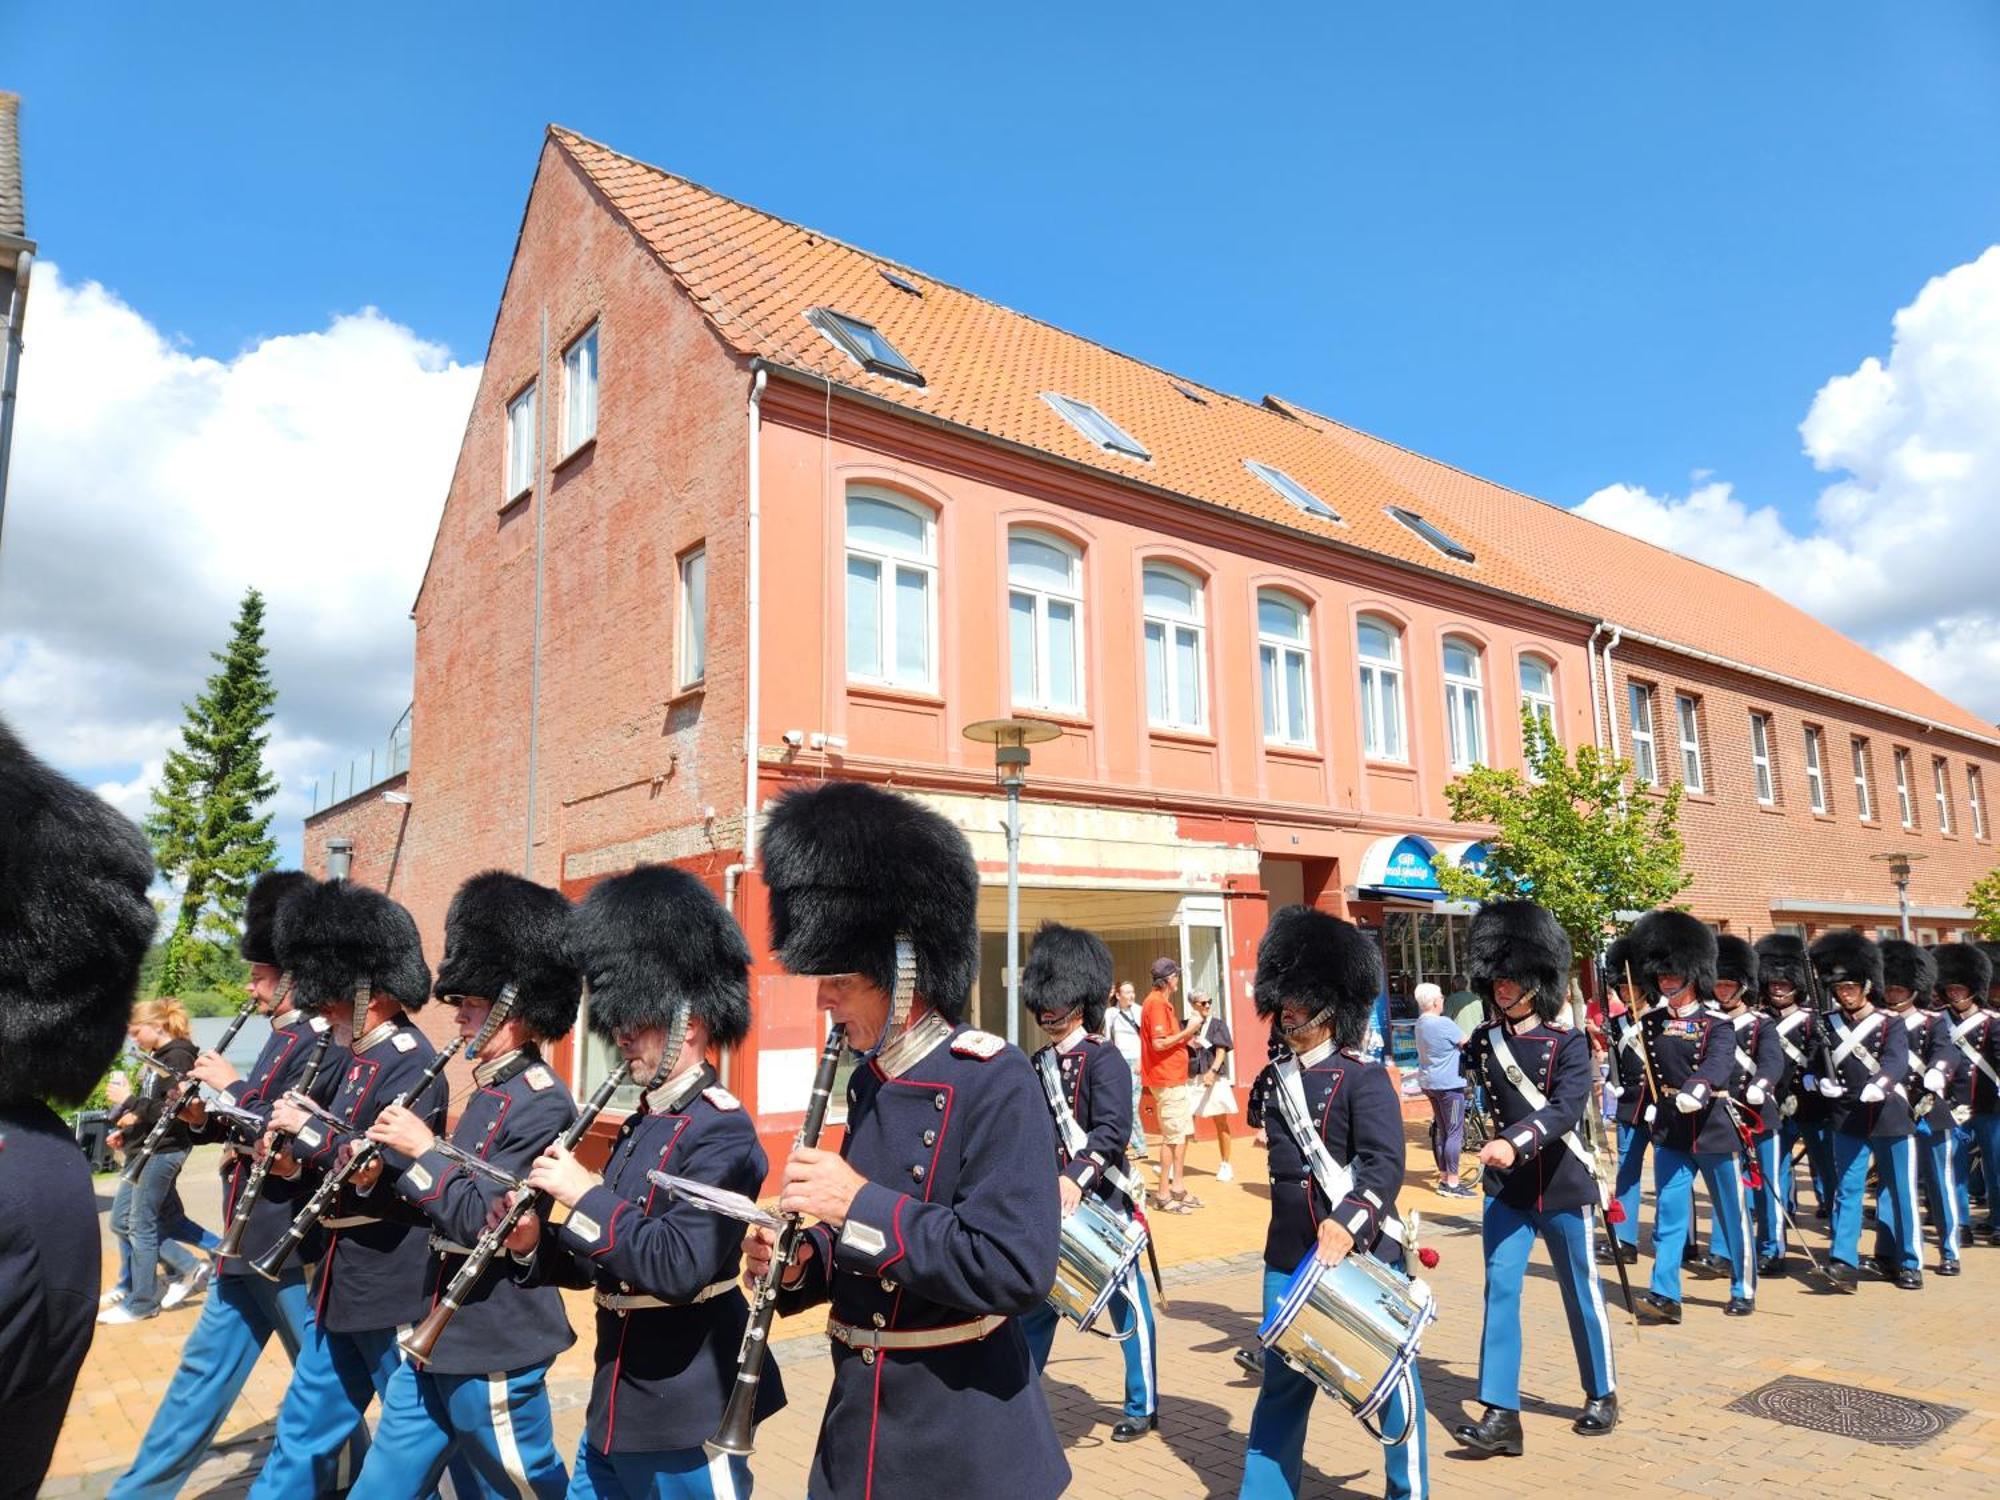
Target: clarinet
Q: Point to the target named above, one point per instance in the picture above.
(739, 1416)
(232, 1237)
(422, 1339)
(272, 1261)
(135, 1164)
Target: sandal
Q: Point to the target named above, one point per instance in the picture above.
(1187, 1201)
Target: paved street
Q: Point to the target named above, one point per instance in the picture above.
(1678, 1437)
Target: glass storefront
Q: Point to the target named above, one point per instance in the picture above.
(1418, 944)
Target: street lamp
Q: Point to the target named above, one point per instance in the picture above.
(1899, 871)
(1010, 739)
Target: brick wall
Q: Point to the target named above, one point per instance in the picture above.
(376, 828)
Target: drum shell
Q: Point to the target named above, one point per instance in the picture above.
(1099, 1245)
(1351, 1329)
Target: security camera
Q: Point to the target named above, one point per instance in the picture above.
(794, 737)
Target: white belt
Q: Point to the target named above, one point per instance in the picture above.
(870, 1341)
(625, 1302)
(351, 1221)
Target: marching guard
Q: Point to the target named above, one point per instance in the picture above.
(1336, 1158)
(1636, 1109)
(1066, 985)
(1782, 971)
(74, 924)
(1973, 1092)
(482, 1385)
(1540, 1175)
(1909, 985)
(1756, 1085)
(939, 1220)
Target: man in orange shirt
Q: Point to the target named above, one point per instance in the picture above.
(1163, 1066)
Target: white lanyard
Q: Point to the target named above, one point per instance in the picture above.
(1333, 1177)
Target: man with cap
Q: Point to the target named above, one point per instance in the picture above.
(509, 971)
(1972, 1095)
(938, 1220)
(242, 1309)
(1163, 1064)
(1336, 1128)
(1636, 1108)
(74, 925)
(1540, 1175)
(1782, 972)
(1870, 1053)
(1909, 988)
(1753, 1103)
(1065, 985)
(355, 958)
(668, 975)
(1691, 1054)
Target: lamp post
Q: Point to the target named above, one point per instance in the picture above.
(1899, 871)
(1010, 739)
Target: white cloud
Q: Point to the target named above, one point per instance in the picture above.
(1900, 553)
(152, 485)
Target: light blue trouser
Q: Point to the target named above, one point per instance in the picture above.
(1138, 1142)
(1508, 1235)
(499, 1423)
(1632, 1143)
(1982, 1132)
(143, 1214)
(1275, 1464)
(1816, 1138)
(1673, 1194)
(1940, 1181)
(1895, 1161)
(1130, 1311)
(1766, 1205)
(673, 1474)
(236, 1322)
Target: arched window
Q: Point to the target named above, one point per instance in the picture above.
(1538, 696)
(1284, 665)
(1174, 654)
(1379, 644)
(1045, 620)
(891, 591)
(1464, 704)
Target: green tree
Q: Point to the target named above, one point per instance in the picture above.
(1984, 899)
(1570, 837)
(207, 831)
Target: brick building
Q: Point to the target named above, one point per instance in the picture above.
(741, 507)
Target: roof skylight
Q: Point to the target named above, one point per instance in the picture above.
(864, 344)
(1432, 534)
(1292, 490)
(900, 282)
(1094, 425)
(1196, 397)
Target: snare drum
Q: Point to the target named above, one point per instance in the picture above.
(1353, 1330)
(1099, 1246)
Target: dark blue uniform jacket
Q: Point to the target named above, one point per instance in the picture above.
(1970, 1087)
(1097, 1082)
(1756, 1038)
(1361, 1120)
(1546, 1175)
(1885, 1040)
(1792, 1029)
(1630, 1070)
(1692, 1054)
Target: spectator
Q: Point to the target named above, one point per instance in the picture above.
(174, 1221)
(1208, 1069)
(1121, 1028)
(1438, 1041)
(144, 1213)
(1163, 1063)
(1466, 1009)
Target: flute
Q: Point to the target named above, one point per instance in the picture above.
(422, 1339)
(171, 1106)
(232, 1237)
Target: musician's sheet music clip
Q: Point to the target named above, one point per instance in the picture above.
(717, 1200)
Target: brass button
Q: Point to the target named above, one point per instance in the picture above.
(888, 1285)
(878, 1320)
(625, 1286)
(938, 1100)
(916, 1174)
(930, 1137)
(868, 1356)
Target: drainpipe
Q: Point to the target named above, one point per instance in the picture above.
(752, 592)
(17, 311)
(1596, 706)
(1610, 689)
(540, 500)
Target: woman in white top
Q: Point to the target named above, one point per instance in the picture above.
(1121, 1029)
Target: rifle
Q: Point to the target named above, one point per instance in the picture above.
(1753, 1178)
(1654, 1098)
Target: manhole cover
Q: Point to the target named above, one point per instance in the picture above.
(1849, 1411)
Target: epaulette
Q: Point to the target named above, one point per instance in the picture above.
(721, 1098)
(402, 1041)
(983, 1045)
(539, 1078)
(318, 1024)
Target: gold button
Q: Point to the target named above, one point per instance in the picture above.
(930, 1137)
(868, 1356)
(888, 1285)
(878, 1320)
(916, 1174)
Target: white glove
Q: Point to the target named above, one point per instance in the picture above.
(1755, 1094)
(1652, 1114)
(1934, 1080)
(1614, 1090)
(1872, 1094)
(1686, 1103)
(1829, 1088)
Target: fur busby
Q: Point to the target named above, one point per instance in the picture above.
(502, 929)
(1909, 967)
(1067, 969)
(1782, 956)
(1964, 963)
(849, 867)
(74, 924)
(1521, 941)
(1616, 957)
(1846, 954)
(1673, 942)
(653, 938)
(1992, 952)
(260, 913)
(334, 936)
(1317, 960)
(1735, 959)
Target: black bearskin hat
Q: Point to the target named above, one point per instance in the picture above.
(654, 938)
(502, 929)
(1964, 963)
(332, 938)
(1317, 960)
(74, 924)
(1616, 957)
(1992, 952)
(1845, 954)
(1909, 967)
(1673, 942)
(849, 867)
(260, 912)
(1521, 941)
(1782, 956)
(1067, 969)
(1735, 959)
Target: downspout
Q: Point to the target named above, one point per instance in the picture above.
(1596, 705)
(1610, 690)
(17, 312)
(541, 496)
(732, 876)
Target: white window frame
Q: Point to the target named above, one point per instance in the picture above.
(1281, 651)
(691, 649)
(887, 563)
(1864, 794)
(1294, 492)
(1687, 724)
(1173, 629)
(1904, 804)
(1645, 745)
(1816, 767)
(1760, 758)
(1941, 790)
(1041, 597)
(518, 464)
(1464, 706)
(1381, 681)
(1975, 796)
(1098, 428)
(580, 379)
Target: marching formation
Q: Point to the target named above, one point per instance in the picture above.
(980, 1198)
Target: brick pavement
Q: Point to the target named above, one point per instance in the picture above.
(1677, 1437)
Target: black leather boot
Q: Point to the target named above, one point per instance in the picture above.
(1497, 1431)
(1600, 1415)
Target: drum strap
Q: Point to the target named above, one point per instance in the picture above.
(1073, 1138)
(1536, 1099)
(1333, 1177)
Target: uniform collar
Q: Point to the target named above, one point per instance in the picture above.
(1073, 1041)
(1693, 1009)
(665, 1098)
(376, 1037)
(1317, 1055)
(915, 1043)
(486, 1073)
(285, 1020)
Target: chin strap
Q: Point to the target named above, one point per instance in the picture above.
(496, 1017)
(677, 1030)
(1321, 1017)
(904, 995)
(364, 991)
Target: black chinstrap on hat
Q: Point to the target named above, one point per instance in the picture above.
(1316, 960)
(502, 930)
(1068, 969)
(654, 939)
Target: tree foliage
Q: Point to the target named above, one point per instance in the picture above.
(1571, 837)
(209, 834)
(1984, 899)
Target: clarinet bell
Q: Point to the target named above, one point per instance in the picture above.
(422, 1339)
(272, 1261)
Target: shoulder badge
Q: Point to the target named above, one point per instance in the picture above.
(983, 1045)
(318, 1024)
(539, 1078)
(404, 1042)
(721, 1098)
